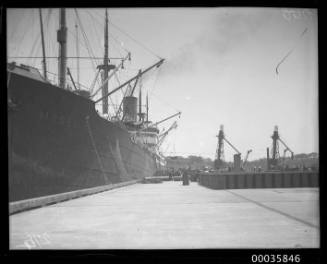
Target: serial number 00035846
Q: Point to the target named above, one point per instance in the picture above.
(275, 258)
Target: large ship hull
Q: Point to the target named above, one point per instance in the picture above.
(59, 143)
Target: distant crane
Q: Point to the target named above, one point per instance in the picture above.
(274, 161)
(287, 149)
(284, 156)
(219, 161)
(246, 157)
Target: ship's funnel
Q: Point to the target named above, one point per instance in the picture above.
(130, 108)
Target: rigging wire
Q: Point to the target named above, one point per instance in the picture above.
(119, 43)
(290, 52)
(21, 40)
(110, 98)
(93, 83)
(100, 24)
(83, 44)
(88, 46)
(15, 27)
(31, 52)
(94, 56)
(111, 36)
(164, 102)
(114, 46)
(118, 82)
(95, 29)
(155, 81)
(38, 43)
(36, 40)
(138, 42)
(47, 39)
(56, 75)
(36, 50)
(135, 40)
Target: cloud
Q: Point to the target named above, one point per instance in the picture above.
(227, 31)
(180, 62)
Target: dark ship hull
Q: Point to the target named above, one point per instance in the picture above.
(58, 143)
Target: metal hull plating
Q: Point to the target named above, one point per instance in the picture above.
(58, 143)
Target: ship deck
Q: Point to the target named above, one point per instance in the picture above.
(169, 215)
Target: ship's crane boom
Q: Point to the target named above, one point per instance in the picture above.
(130, 80)
(247, 156)
(164, 135)
(163, 120)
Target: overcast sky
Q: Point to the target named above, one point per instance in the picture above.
(220, 68)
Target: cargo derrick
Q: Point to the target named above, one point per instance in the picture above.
(164, 134)
(246, 158)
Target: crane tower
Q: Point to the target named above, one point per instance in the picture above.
(219, 161)
(274, 161)
(220, 149)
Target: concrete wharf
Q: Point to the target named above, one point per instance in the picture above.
(169, 215)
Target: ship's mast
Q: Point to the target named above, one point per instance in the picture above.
(62, 39)
(105, 64)
(106, 67)
(43, 48)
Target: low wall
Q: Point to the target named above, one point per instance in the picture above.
(27, 204)
(245, 180)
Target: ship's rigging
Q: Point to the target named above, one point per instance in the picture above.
(72, 67)
(80, 21)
